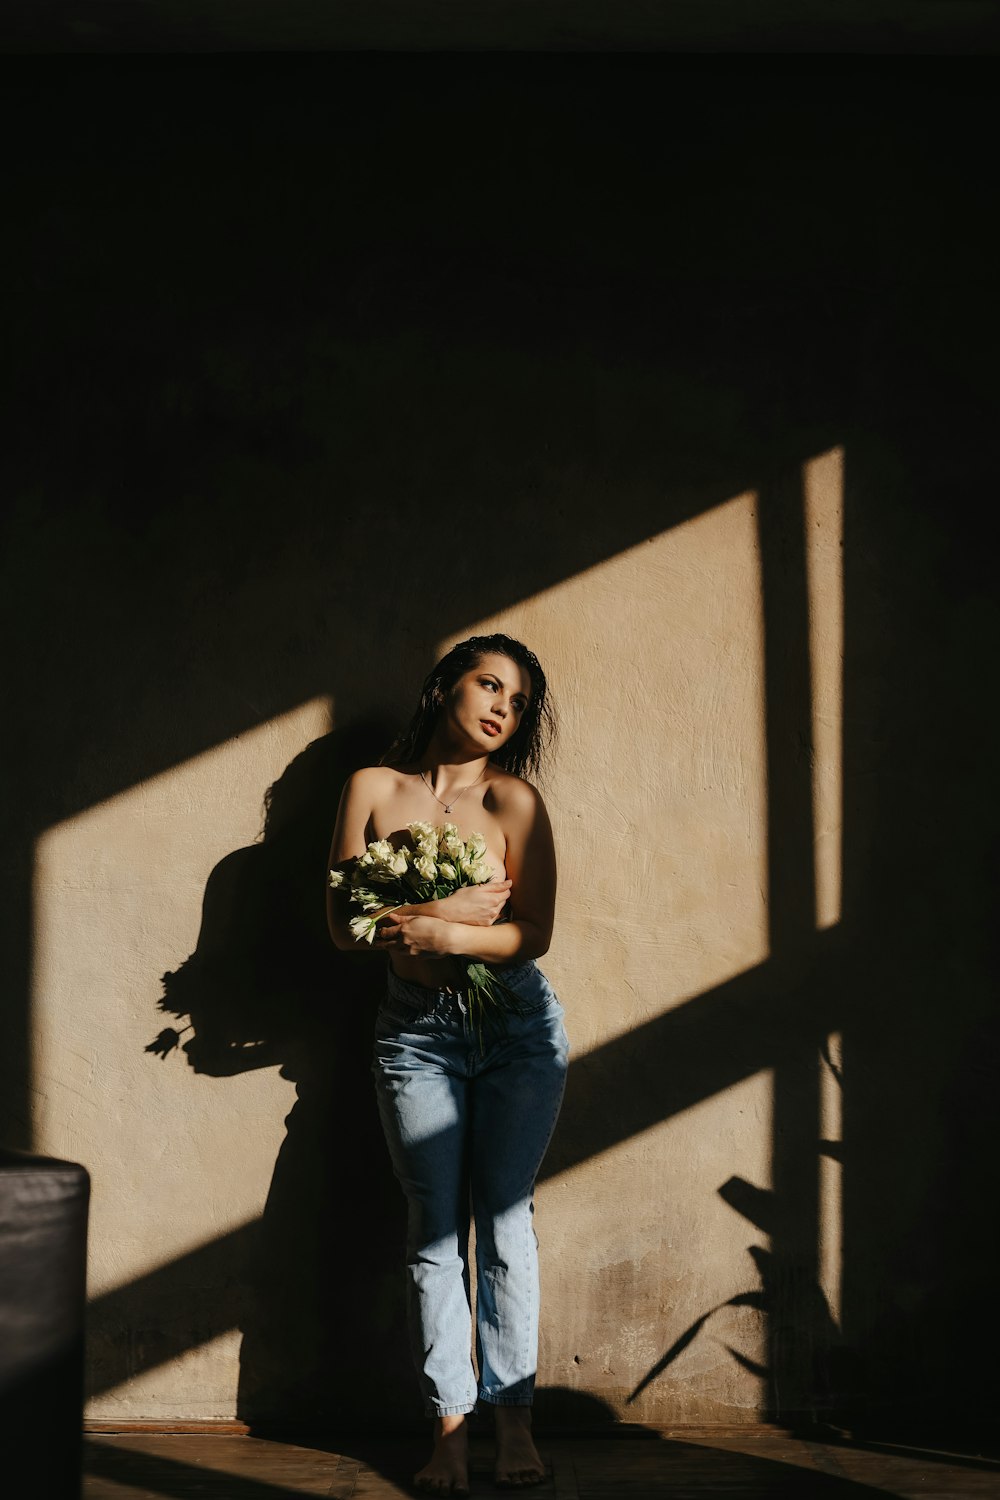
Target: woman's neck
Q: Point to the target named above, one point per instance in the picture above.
(446, 768)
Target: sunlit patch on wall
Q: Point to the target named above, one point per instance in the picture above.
(177, 1157)
(658, 791)
(831, 1101)
(823, 489)
(203, 1378)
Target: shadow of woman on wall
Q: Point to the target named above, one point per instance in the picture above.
(322, 1312)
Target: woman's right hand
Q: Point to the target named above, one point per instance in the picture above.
(473, 905)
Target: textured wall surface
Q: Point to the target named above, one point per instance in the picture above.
(659, 801)
(118, 892)
(311, 384)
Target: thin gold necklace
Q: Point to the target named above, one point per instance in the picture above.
(449, 805)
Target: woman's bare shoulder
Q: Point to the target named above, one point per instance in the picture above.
(371, 781)
(375, 774)
(513, 793)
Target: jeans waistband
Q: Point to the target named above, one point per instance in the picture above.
(422, 998)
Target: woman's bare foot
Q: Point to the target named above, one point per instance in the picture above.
(447, 1473)
(518, 1464)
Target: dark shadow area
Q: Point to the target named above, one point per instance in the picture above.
(985, 1454)
(293, 340)
(891, 27)
(797, 1383)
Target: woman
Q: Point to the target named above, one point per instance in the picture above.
(462, 1124)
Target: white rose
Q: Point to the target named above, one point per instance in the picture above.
(398, 864)
(476, 846)
(425, 866)
(337, 878)
(425, 836)
(362, 927)
(447, 870)
(453, 847)
(481, 872)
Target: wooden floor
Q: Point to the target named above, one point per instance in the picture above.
(144, 1466)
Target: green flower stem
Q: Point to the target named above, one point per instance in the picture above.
(490, 1001)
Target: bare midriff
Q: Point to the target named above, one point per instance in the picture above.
(408, 801)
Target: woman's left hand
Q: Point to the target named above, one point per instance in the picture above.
(415, 935)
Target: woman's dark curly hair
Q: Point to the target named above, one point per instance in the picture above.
(525, 750)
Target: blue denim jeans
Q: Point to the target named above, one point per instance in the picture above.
(466, 1133)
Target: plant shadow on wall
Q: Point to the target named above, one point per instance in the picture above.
(314, 1286)
(797, 1323)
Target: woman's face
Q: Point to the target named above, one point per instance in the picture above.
(486, 704)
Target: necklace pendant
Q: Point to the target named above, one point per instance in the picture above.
(447, 809)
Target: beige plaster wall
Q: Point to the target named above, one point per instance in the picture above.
(658, 800)
(176, 1160)
(658, 794)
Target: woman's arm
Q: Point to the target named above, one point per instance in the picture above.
(531, 867)
(478, 905)
(356, 801)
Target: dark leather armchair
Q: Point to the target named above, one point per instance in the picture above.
(44, 1209)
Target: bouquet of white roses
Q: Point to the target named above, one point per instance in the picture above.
(436, 863)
